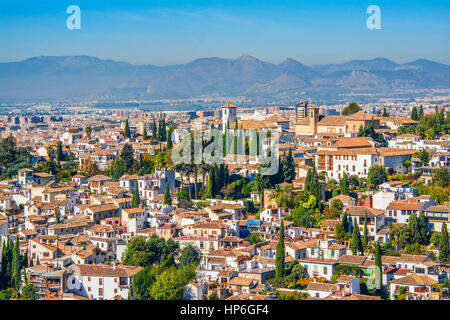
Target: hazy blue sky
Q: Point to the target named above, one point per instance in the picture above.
(168, 32)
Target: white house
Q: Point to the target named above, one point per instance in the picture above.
(101, 282)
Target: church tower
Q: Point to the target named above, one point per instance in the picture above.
(313, 119)
(229, 112)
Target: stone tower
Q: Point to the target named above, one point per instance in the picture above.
(229, 112)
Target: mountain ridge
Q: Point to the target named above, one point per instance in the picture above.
(56, 78)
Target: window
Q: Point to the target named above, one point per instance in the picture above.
(100, 281)
(332, 253)
(89, 278)
(325, 270)
(89, 289)
(312, 252)
(100, 292)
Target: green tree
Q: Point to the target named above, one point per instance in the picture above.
(261, 183)
(414, 115)
(413, 227)
(444, 246)
(345, 223)
(126, 130)
(189, 256)
(12, 158)
(88, 131)
(29, 292)
(312, 184)
(279, 258)
(136, 201)
(127, 155)
(59, 153)
(143, 281)
(339, 232)
(441, 176)
(169, 139)
(117, 169)
(378, 265)
(422, 228)
(365, 235)
(385, 113)
(254, 238)
(377, 174)
(154, 131)
(167, 196)
(16, 266)
(352, 108)
(344, 185)
(169, 284)
(145, 252)
(144, 134)
(213, 296)
(420, 112)
(288, 167)
(356, 245)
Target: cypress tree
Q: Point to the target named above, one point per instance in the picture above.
(160, 130)
(378, 266)
(414, 229)
(279, 258)
(169, 139)
(154, 133)
(422, 227)
(59, 153)
(167, 196)
(365, 231)
(421, 112)
(216, 181)
(356, 245)
(16, 266)
(210, 189)
(163, 130)
(144, 134)
(288, 167)
(444, 246)
(344, 185)
(345, 222)
(126, 131)
(136, 201)
(414, 115)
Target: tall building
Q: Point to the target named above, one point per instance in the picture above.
(301, 110)
(228, 115)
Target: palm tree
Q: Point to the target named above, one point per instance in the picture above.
(50, 152)
(261, 184)
(88, 131)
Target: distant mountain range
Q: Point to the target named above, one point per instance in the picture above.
(75, 78)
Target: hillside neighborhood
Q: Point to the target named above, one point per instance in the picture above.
(133, 205)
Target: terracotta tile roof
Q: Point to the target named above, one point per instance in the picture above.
(101, 228)
(107, 271)
(349, 259)
(319, 286)
(413, 258)
(415, 280)
(102, 207)
(330, 121)
(360, 297)
(238, 281)
(361, 211)
(344, 198)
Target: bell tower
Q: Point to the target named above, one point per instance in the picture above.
(313, 119)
